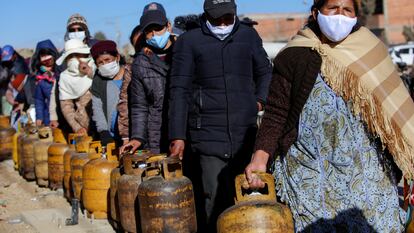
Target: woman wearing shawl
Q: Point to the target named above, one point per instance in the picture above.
(74, 84)
(336, 106)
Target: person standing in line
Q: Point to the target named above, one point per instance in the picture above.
(337, 116)
(150, 78)
(219, 82)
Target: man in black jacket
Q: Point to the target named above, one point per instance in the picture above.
(219, 81)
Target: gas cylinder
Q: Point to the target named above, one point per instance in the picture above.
(256, 212)
(40, 155)
(83, 154)
(55, 159)
(97, 181)
(22, 135)
(113, 195)
(134, 165)
(4, 122)
(67, 182)
(166, 199)
(6, 143)
(28, 163)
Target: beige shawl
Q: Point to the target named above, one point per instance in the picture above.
(359, 69)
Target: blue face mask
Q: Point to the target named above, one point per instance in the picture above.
(159, 42)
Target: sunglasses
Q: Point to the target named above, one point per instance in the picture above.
(76, 30)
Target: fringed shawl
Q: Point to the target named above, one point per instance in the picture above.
(360, 70)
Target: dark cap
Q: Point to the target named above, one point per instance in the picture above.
(154, 13)
(103, 47)
(218, 8)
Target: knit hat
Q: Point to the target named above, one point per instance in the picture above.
(218, 8)
(103, 47)
(77, 19)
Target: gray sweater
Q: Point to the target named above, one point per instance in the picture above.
(99, 117)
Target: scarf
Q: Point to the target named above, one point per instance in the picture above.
(48, 76)
(73, 86)
(359, 70)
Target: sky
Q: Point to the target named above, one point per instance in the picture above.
(23, 23)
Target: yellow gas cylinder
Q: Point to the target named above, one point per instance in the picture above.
(40, 155)
(4, 122)
(28, 160)
(16, 146)
(83, 154)
(22, 135)
(166, 200)
(67, 182)
(134, 166)
(113, 195)
(6, 143)
(256, 212)
(97, 181)
(55, 159)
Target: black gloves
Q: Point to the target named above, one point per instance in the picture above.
(105, 137)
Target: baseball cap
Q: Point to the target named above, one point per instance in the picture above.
(218, 8)
(7, 53)
(154, 13)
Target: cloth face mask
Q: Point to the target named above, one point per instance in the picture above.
(109, 70)
(336, 27)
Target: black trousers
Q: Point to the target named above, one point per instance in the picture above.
(213, 181)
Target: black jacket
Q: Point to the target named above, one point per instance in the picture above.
(215, 87)
(146, 96)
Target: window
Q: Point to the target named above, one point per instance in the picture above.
(404, 51)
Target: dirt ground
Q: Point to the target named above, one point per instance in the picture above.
(18, 195)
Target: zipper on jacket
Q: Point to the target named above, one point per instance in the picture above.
(200, 106)
(226, 42)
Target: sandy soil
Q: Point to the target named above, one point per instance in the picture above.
(18, 195)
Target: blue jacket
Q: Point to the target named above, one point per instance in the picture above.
(214, 90)
(43, 87)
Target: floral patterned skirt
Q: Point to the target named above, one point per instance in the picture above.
(334, 178)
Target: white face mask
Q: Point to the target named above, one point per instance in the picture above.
(336, 27)
(73, 65)
(109, 70)
(222, 32)
(77, 35)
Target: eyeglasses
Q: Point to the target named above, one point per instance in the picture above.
(78, 29)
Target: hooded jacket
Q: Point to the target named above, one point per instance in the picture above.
(43, 87)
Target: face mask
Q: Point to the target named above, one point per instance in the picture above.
(109, 70)
(159, 42)
(222, 32)
(73, 66)
(77, 35)
(336, 27)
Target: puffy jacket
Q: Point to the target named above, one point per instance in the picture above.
(215, 87)
(147, 90)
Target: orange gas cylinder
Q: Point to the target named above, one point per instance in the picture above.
(40, 154)
(67, 181)
(256, 212)
(166, 200)
(6, 143)
(28, 163)
(4, 122)
(97, 181)
(134, 165)
(55, 159)
(83, 154)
